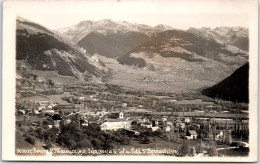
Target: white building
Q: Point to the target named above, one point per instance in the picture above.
(219, 136)
(115, 124)
(155, 128)
(121, 115)
(146, 125)
(193, 135)
(187, 120)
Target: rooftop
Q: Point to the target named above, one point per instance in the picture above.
(116, 120)
(193, 132)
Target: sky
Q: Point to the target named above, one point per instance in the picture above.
(175, 13)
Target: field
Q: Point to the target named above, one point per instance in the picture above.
(145, 79)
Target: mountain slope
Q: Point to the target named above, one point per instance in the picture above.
(108, 37)
(234, 36)
(45, 51)
(77, 32)
(112, 45)
(190, 55)
(234, 87)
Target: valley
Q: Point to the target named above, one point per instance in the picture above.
(157, 79)
(112, 85)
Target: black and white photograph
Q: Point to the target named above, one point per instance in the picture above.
(127, 80)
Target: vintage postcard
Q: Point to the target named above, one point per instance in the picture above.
(121, 80)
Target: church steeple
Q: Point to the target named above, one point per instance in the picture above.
(121, 115)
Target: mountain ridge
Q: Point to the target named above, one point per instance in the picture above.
(233, 88)
(43, 50)
(76, 32)
(179, 49)
(235, 36)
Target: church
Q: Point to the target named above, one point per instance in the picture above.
(115, 122)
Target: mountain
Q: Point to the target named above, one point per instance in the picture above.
(234, 87)
(77, 32)
(108, 37)
(187, 54)
(43, 50)
(233, 36)
(159, 57)
(162, 27)
(112, 45)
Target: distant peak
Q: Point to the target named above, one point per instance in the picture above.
(162, 26)
(220, 28)
(105, 20)
(85, 22)
(205, 28)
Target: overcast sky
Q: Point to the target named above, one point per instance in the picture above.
(178, 14)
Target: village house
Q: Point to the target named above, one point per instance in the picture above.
(116, 115)
(43, 104)
(181, 125)
(36, 112)
(56, 120)
(164, 118)
(219, 136)
(21, 112)
(84, 122)
(154, 123)
(102, 113)
(66, 121)
(50, 126)
(56, 123)
(144, 120)
(132, 132)
(187, 120)
(51, 105)
(155, 128)
(192, 135)
(48, 112)
(168, 127)
(40, 79)
(146, 125)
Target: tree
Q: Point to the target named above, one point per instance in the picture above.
(51, 134)
(96, 143)
(229, 138)
(213, 149)
(134, 123)
(30, 139)
(185, 148)
(45, 124)
(109, 145)
(71, 144)
(146, 140)
(193, 152)
(125, 141)
(83, 144)
(157, 133)
(50, 83)
(39, 132)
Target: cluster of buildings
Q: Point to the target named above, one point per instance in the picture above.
(37, 108)
(189, 126)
